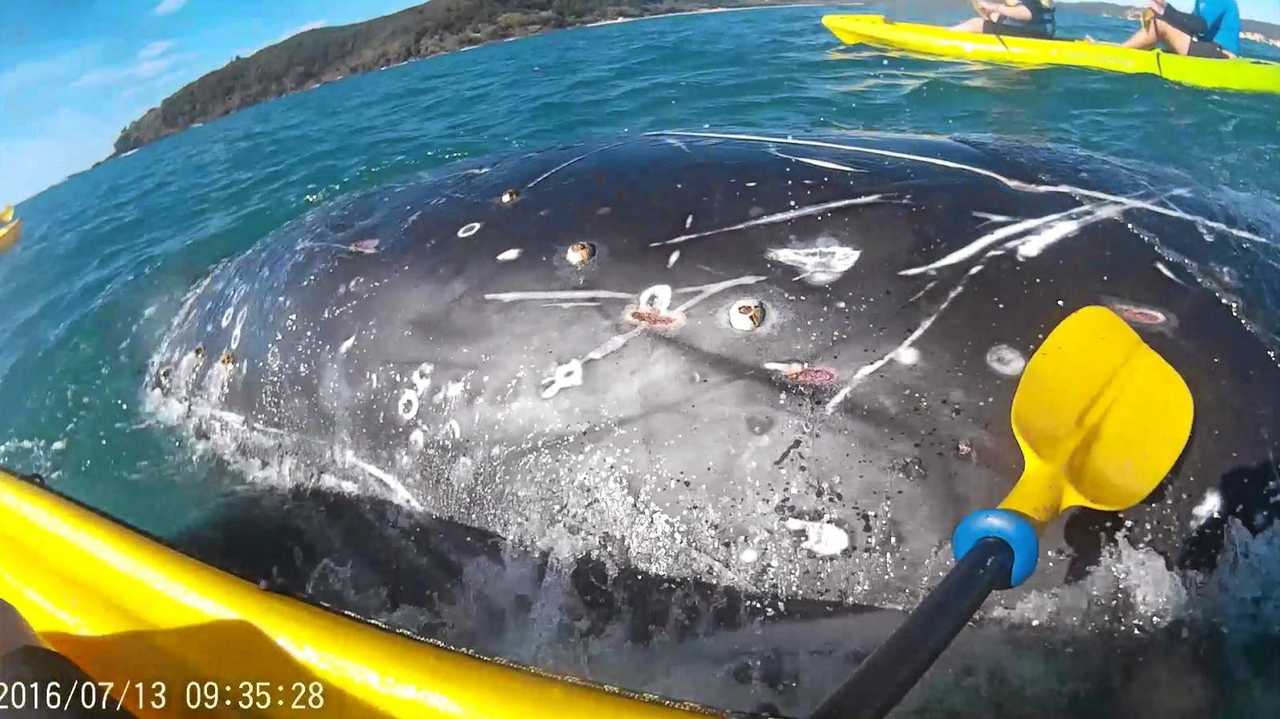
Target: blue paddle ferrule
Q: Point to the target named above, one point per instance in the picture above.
(1015, 529)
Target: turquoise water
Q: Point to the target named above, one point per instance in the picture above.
(108, 254)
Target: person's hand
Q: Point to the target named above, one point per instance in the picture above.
(1157, 6)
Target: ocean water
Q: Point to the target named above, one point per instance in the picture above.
(108, 254)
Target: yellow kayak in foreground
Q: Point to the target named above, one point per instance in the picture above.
(875, 30)
(177, 637)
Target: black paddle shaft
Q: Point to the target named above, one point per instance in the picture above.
(886, 676)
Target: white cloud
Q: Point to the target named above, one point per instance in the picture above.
(300, 29)
(247, 51)
(50, 71)
(168, 7)
(157, 89)
(154, 49)
(139, 71)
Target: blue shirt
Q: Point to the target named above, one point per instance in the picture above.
(1223, 19)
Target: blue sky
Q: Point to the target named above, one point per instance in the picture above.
(73, 73)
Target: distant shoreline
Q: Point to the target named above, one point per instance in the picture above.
(719, 9)
(322, 55)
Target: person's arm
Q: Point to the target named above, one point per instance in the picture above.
(1019, 12)
(994, 11)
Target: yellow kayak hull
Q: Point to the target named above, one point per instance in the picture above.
(876, 31)
(129, 610)
(10, 234)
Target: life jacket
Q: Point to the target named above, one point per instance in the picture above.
(1042, 15)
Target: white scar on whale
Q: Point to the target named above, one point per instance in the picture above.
(1035, 243)
(825, 164)
(818, 265)
(902, 349)
(1040, 233)
(558, 295)
(785, 216)
(1007, 181)
(1057, 226)
(567, 163)
(387, 479)
(989, 239)
(569, 374)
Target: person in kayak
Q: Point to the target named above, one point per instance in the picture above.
(1015, 18)
(1211, 29)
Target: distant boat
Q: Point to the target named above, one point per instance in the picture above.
(10, 229)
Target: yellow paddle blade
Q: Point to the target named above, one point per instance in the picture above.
(1100, 417)
(6, 215)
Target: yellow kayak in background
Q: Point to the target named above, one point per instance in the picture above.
(171, 632)
(10, 229)
(875, 30)
(10, 233)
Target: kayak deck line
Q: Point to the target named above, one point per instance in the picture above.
(1238, 74)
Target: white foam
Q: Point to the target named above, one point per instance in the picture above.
(821, 538)
(1208, 508)
(1129, 583)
